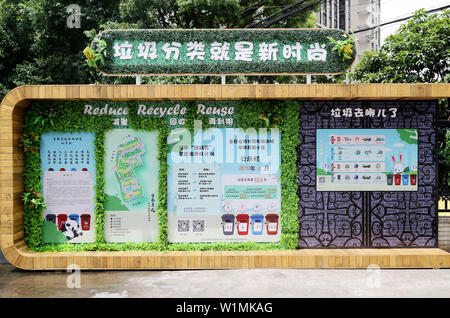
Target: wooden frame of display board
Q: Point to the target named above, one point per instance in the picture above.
(15, 249)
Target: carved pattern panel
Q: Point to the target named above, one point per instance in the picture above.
(367, 219)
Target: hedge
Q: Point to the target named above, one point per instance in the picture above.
(307, 37)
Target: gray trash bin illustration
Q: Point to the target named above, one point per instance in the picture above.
(50, 218)
(390, 179)
(228, 224)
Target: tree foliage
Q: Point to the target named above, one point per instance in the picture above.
(418, 52)
(37, 46)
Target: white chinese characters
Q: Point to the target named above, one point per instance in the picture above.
(360, 112)
(245, 51)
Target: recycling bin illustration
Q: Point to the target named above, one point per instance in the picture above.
(405, 178)
(390, 179)
(413, 179)
(61, 218)
(75, 217)
(272, 224)
(398, 179)
(85, 222)
(257, 221)
(242, 221)
(228, 224)
(51, 218)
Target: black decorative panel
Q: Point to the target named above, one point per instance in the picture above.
(368, 219)
(327, 219)
(407, 219)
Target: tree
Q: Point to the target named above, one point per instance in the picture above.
(418, 53)
(37, 46)
(188, 14)
(15, 36)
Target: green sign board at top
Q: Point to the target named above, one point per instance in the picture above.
(232, 51)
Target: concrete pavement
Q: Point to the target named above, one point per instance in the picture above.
(268, 283)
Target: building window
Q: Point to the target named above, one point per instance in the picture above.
(349, 15)
(330, 15)
(342, 15)
(324, 13)
(335, 13)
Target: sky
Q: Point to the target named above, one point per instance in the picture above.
(393, 9)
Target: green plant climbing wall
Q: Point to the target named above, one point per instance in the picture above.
(67, 116)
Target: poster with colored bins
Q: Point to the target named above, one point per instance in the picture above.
(68, 180)
(131, 186)
(224, 185)
(367, 160)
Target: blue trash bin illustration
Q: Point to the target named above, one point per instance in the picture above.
(75, 217)
(257, 224)
(405, 179)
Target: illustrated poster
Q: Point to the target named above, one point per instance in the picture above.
(367, 159)
(131, 186)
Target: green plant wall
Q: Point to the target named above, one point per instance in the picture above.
(67, 116)
(185, 65)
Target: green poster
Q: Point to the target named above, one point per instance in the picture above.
(131, 185)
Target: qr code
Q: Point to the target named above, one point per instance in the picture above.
(183, 225)
(321, 179)
(198, 225)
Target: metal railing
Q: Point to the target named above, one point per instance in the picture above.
(444, 166)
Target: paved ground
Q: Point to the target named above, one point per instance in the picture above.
(270, 283)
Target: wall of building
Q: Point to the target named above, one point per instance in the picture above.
(352, 16)
(444, 232)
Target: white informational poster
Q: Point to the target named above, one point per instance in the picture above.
(224, 186)
(68, 181)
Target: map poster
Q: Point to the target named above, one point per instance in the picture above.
(68, 179)
(224, 185)
(367, 159)
(131, 186)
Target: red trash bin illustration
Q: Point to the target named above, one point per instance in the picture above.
(398, 179)
(242, 221)
(61, 218)
(413, 179)
(272, 224)
(85, 222)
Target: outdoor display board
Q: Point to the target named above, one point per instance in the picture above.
(45, 126)
(374, 166)
(233, 51)
(139, 172)
(224, 185)
(367, 159)
(205, 172)
(211, 172)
